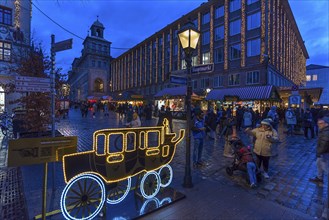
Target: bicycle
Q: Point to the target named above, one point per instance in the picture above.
(6, 123)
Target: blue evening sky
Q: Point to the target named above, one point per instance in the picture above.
(128, 22)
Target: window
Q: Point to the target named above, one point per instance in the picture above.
(253, 77)
(206, 58)
(314, 77)
(175, 34)
(175, 49)
(195, 22)
(195, 61)
(205, 38)
(219, 12)
(308, 78)
(206, 18)
(249, 2)
(218, 81)
(253, 47)
(235, 5)
(235, 51)
(5, 16)
(183, 64)
(5, 51)
(234, 79)
(219, 32)
(235, 27)
(253, 21)
(194, 84)
(99, 85)
(168, 37)
(205, 83)
(219, 55)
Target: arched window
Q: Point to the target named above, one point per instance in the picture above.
(99, 85)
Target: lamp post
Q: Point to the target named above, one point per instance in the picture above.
(188, 36)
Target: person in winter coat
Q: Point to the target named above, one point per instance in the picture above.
(291, 121)
(322, 150)
(169, 118)
(308, 123)
(136, 122)
(266, 137)
(227, 132)
(273, 114)
(198, 131)
(247, 118)
(162, 115)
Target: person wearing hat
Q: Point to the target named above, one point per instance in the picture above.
(265, 138)
(322, 150)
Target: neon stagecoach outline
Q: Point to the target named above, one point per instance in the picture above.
(94, 177)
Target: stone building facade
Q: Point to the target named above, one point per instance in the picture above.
(15, 41)
(90, 74)
(243, 43)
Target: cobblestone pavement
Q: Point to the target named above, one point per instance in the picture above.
(289, 170)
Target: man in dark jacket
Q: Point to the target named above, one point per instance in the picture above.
(322, 150)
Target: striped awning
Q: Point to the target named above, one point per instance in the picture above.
(172, 92)
(266, 92)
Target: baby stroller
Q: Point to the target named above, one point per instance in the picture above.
(237, 164)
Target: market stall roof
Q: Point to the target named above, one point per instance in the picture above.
(172, 92)
(314, 92)
(267, 92)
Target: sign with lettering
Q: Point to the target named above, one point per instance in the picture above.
(206, 68)
(62, 45)
(178, 80)
(32, 84)
(27, 151)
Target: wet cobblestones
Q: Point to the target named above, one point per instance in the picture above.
(289, 170)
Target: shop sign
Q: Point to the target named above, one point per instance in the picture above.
(207, 68)
(294, 99)
(27, 151)
(178, 80)
(231, 98)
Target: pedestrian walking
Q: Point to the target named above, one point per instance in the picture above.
(266, 136)
(169, 118)
(291, 121)
(94, 109)
(247, 118)
(198, 131)
(228, 132)
(106, 110)
(308, 123)
(211, 123)
(322, 150)
(272, 114)
(162, 115)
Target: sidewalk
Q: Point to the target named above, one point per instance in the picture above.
(286, 195)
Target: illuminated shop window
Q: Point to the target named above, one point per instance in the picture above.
(253, 47)
(195, 61)
(235, 5)
(315, 77)
(5, 16)
(308, 78)
(253, 21)
(5, 51)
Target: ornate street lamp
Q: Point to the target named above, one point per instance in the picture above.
(188, 36)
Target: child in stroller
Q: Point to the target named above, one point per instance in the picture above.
(244, 161)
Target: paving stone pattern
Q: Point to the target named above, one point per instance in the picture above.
(289, 170)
